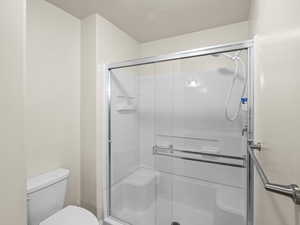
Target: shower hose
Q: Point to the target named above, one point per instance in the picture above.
(239, 67)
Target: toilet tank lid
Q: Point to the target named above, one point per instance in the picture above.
(44, 180)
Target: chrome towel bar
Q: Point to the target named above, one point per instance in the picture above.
(291, 190)
(170, 151)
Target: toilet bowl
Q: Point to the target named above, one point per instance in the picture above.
(45, 201)
(71, 215)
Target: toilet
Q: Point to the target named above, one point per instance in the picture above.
(45, 201)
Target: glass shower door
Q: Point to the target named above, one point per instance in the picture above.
(177, 157)
(190, 133)
(134, 179)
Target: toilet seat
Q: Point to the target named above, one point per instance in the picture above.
(71, 215)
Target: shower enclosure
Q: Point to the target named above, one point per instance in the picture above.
(177, 131)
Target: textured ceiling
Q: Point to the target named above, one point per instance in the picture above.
(148, 20)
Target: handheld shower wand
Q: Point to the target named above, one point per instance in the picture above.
(238, 62)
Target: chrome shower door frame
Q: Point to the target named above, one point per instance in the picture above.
(244, 45)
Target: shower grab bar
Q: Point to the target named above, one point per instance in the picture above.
(290, 190)
(169, 150)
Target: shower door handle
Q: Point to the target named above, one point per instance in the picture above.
(170, 151)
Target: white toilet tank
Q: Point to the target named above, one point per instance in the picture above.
(46, 195)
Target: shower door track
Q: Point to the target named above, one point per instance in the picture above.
(183, 54)
(236, 46)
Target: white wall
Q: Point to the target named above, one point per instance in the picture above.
(12, 160)
(52, 93)
(111, 44)
(276, 26)
(219, 35)
(273, 16)
(88, 113)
